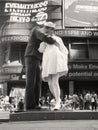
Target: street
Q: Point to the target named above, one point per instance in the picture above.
(51, 125)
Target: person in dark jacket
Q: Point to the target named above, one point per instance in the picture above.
(33, 64)
(21, 105)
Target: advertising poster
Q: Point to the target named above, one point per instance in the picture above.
(80, 13)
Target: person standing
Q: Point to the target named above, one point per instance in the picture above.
(87, 98)
(94, 101)
(54, 65)
(32, 64)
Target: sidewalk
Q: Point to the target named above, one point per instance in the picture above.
(51, 125)
(4, 115)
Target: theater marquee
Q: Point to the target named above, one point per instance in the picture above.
(77, 32)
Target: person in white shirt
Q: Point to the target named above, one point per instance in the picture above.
(54, 63)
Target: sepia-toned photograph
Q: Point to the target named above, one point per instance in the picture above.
(48, 64)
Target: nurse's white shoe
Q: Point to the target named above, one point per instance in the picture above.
(57, 106)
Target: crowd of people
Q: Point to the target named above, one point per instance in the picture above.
(89, 101)
(11, 104)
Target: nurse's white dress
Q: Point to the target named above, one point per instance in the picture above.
(55, 58)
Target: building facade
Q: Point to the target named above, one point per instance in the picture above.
(18, 17)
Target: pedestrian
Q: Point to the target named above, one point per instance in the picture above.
(87, 100)
(94, 101)
(20, 105)
(54, 64)
(32, 64)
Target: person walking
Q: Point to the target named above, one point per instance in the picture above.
(32, 65)
(54, 64)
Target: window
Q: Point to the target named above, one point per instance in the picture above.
(93, 51)
(78, 50)
(17, 52)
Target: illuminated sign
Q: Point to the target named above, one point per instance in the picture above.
(11, 70)
(78, 70)
(14, 38)
(76, 33)
(4, 78)
(80, 13)
(23, 12)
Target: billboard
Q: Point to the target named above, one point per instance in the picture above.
(18, 17)
(26, 12)
(83, 70)
(81, 13)
(23, 12)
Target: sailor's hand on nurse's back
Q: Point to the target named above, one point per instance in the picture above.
(42, 47)
(49, 36)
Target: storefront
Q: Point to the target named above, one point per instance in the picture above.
(83, 59)
(80, 35)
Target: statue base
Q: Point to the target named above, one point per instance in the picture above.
(45, 114)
